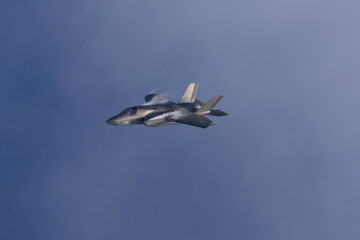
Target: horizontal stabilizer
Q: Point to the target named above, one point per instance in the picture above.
(218, 113)
(209, 106)
(190, 93)
(195, 120)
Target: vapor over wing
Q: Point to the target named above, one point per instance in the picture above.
(150, 96)
(152, 99)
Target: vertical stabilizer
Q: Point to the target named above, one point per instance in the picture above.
(208, 106)
(190, 93)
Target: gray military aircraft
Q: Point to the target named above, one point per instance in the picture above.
(158, 111)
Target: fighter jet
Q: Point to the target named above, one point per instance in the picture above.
(158, 111)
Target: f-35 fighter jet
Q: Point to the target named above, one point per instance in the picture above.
(158, 111)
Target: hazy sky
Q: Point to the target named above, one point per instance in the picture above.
(283, 165)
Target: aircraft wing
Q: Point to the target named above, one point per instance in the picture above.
(153, 98)
(150, 96)
(194, 120)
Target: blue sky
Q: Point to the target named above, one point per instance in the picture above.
(283, 165)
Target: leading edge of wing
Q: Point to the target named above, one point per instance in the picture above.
(194, 120)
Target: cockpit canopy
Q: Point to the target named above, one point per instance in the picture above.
(128, 112)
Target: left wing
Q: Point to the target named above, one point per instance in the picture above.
(194, 120)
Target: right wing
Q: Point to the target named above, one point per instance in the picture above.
(150, 97)
(153, 98)
(194, 120)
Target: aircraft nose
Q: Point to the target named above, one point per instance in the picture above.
(111, 121)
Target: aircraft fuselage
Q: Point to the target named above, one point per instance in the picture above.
(152, 115)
